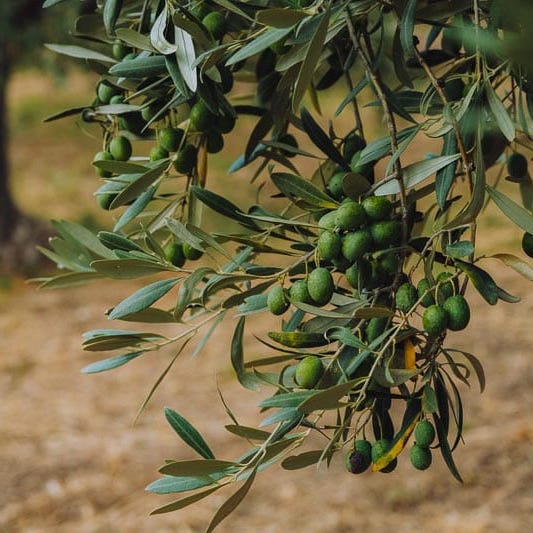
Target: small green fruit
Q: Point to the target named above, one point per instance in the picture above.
(329, 245)
(157, 153)
(308, 372)
(356, 244)
(420, 457)
(299, 292)
(352, 143)
(105, 200)
(320, 286)
(327, 222)
(377, 207)
(174, 254)
(445, 288)
(191, 253)
(276, 300)
(389, 263)
(215, 23)
(406, 297)
(186, 159)
(120, 148)
(215, 142)
(454, 89)
(170, 138)
(201, 117)
(386, 233)
(103, 156)
(435, 320)
(360, 458)
(350, 216)
(423, 292)
(150, 111)
(335, 186)
(358, 275)
(105, 91)
(527, 244)
(424, 433)
(117, 99)
(120, 50)
(380, 448)
(224, 123)
(132, 122)
(458, 312)
(376, 326)
(517, 165)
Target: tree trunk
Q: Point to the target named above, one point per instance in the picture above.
(20, 234)
(8, 211)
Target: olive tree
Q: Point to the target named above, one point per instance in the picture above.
(368, 258)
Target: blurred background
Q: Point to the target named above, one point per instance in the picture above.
(70, 457)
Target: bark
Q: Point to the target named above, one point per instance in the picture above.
(19, 233)
(8, 211)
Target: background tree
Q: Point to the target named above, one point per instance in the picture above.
(23, 27)
(377, 245)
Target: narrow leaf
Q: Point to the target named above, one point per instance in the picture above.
(183, 502)
(259, 44)
(445, 176)
(248, 432)
(520, 216)
(445, 448)
(232, 503)
(500, 113)
(517, 264)
(188, 433)
(314, 51)
(415, 173)
(321, 140)
(110, 363)
(460, 249)
(173, 484)
(481, 280)
(298, 339)
(328, 398)
(140, 67)
(246, 379)
(143, 298)
(407, 27)
(186, 57)
(197, 467)
(79, 52)
(296, 187)
(157, 34)
(303, 460)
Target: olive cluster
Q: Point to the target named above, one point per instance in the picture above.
(517, 167)
(209, 114)
(364, 453)
(420, 453)
(178, 253)
(444, 308)
(356, 238)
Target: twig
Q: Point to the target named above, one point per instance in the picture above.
(391, 124)
(467, 167)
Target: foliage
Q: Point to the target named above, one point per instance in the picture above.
(377, 248)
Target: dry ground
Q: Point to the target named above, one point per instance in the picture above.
(70, 459)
